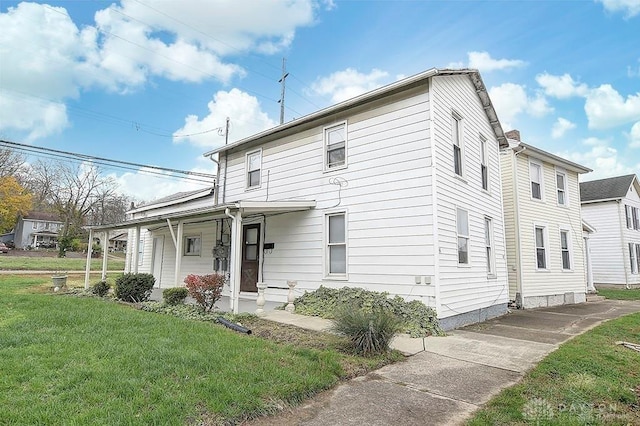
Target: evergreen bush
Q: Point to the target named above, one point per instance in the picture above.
(175, 296)
(101, 288)
(134, 287)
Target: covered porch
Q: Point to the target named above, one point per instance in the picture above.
(231, 241)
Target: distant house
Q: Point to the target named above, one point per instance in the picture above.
(544, 231)
(612, 206)
(118, 241)
(37, 230)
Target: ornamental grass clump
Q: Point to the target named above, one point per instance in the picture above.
(370, 332)
(205, 289)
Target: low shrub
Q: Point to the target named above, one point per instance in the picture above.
(370, 332)
(101, 288)
(174, 296)
(417, 319)
(205, 289)
(134, 287)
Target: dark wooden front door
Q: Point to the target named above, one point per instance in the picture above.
(250, 257)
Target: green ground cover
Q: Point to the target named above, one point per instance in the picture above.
(620, 293)
(589, 380)
(91, 361)
(23, 263)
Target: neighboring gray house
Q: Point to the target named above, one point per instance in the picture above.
(36, 229)
(612, 206)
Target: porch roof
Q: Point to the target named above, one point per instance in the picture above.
(246, 208)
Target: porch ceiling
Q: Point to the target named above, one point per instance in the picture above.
(246, 208)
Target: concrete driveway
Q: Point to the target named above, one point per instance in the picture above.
(448, 378)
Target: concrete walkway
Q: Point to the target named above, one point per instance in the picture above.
(454, 375)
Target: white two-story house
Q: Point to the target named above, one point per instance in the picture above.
(543, 224)
(396, 190)
(612, 206)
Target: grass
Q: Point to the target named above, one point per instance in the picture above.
(620, 293)
(587, 381)
(22, 263)
(90, 361)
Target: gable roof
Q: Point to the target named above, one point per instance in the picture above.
(614, 188)
(49, 217)
(551, 158)
(382, 92)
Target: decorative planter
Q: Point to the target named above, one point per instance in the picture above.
(59, 281)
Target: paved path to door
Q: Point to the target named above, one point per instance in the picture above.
(444, 383)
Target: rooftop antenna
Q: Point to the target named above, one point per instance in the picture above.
(285, 74)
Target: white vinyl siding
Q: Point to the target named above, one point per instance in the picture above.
(462, 226)
(535, 172)
(336, 250)
(192, 245)
(254, 169)
(561, 188)
(565, 249)
(335, 142)
(457, 132)
(541, 247)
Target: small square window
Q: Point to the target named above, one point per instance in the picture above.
(192, 246)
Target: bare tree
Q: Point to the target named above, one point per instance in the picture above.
(110, 207)
(11, 163)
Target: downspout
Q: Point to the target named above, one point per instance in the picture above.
(226, 163)
(234, 285)
(516, 216)
(216, 185)
(624, 249)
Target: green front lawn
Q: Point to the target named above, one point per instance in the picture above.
(89, 361)
(587, 381)
(620, 293)
(23, 263)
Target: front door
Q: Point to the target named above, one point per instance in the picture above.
(158, 252)
(250, 257)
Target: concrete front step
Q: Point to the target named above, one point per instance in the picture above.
(595, 298)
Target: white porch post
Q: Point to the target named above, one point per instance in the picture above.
(105, 249)
(237, 262)
(179, 247)
(135, 250)
(87, 268)
(587, 256)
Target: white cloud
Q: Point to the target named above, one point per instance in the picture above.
(629, 7)
(602, 158)
(560, 127)
(246, 119)
(634, 136)
(511, 100)
(606, 108)
(561, 86)
(130, 43)
(343, 85)
(485, 63)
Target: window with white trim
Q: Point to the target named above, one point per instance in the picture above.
(253, 167)
(561, 187)
(192, 245)
(35, 225)
(633, 258)
(335, 144)
(636, 220)
(336, 244)
(488, 242)
(462, 226)
(541, 247)
(535, 173)
(484, 163)
(565, 249)
(456, 129)
(627, 212)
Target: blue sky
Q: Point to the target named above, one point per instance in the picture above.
(150, 81)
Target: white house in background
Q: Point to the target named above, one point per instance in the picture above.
(612, 206)
(396, 190)
(543, 225)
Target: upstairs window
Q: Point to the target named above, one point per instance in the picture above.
(462, 225)
(561, 184)
(535, 172)
(335, 141)
(484, 165)
(564, 247)
(457, 143)
(627, 211)
(254, 166)
(541, 247)
(636, 220)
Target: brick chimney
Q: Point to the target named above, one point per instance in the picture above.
(513, 134)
